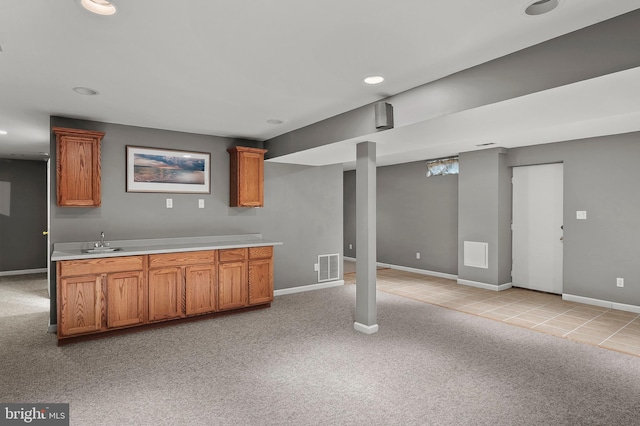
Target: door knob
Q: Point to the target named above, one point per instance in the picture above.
(45, 232)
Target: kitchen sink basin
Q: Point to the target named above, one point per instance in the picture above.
(102, 250)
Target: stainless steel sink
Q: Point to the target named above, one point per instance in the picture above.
(102, 250)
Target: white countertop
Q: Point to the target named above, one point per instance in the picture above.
(75, 250)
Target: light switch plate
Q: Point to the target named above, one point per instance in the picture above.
(169, 203)
(201, 203)
(581, 214)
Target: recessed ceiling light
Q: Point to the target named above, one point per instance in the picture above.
(274, 121)
(3, 132)
(85, 91)
(99, 7)
(374, 79)
(541, 6)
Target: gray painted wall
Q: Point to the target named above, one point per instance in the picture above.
(349, 213)
(414, 214)
(601, 176)
(483, 203)
(505, 212)
(303, 208)
(303, 205)
(22, 245)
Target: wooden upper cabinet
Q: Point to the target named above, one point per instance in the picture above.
(247, 177)
(78, 167)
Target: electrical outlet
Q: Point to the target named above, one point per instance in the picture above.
(169, 203)
(417, 255)
(620, 282)
(316, 267)
(350, 246)
(201, 203)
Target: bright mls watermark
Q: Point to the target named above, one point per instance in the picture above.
(34, 414)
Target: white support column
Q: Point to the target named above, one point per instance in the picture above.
(366, 308)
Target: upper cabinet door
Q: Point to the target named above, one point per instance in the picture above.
(247, 177)
(78, 167)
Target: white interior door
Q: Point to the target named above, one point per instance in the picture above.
(537, 227)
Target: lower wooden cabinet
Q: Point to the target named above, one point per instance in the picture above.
(98, 295)
(165, 293)
(200, 289)
(125, 299)
(182, 284)
(79, 305)
(245, 277)
(232, 286)
(260, 275)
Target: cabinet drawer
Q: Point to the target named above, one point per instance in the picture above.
(101, 266)
(231, 255)
(181, 259)
(260, 252)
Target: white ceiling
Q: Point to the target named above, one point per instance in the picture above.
(226, 67)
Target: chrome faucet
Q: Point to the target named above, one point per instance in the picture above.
(101, 244)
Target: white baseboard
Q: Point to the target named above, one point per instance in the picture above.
(23, 272)
(485, 286)
(624, 307)
(366, 329)
(311, 287)
(418, 271)
(601, 303)
(408, 269)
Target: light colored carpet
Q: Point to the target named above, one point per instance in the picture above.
(301, 363)
(23, 294)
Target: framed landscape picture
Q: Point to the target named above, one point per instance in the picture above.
(164, 170)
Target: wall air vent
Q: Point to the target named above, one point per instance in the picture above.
(328, 267)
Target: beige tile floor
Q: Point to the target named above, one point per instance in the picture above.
(543, 312)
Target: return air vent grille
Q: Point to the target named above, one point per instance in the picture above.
(328, 267)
